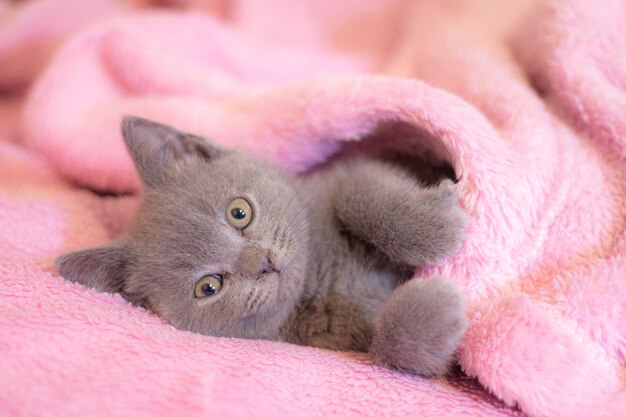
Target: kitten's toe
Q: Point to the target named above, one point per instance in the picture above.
(420, 327)
(436, 226)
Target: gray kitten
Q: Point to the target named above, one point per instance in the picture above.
(227, 245)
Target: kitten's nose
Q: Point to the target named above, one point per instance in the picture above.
(268, 266)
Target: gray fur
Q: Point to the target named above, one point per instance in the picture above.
(340, 245)
(419, 326)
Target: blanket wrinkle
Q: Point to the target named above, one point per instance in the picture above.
(524, 101)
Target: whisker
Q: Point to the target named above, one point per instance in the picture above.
(304, 207)
(253, 300)
(296, 194)
(247, 302)
(307, 215)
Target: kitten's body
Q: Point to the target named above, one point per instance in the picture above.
(324, 262)
(352, 272)
(346, 278)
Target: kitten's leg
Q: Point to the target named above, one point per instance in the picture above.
(412, 224)
(332, 322)
(419, 327)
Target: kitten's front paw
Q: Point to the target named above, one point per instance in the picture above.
(433, 228)
(420, 327)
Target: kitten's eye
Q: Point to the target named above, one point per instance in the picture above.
(208, 285)
(239, 213)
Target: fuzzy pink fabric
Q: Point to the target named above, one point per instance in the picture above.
(527, 102)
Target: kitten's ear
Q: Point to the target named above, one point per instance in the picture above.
(154, 146)
(103, 268)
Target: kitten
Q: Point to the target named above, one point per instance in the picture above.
(226, 245)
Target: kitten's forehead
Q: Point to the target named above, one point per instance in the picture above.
(237, 175)
(233, 169)
(196, 199)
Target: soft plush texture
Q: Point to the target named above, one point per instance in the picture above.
(526, 102)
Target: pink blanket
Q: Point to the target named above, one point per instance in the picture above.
(527, 102)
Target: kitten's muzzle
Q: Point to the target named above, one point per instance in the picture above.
(257, 262)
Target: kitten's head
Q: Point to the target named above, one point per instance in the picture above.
(219, 243)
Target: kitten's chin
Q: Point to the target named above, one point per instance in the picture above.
(281, 286)
(265, 324)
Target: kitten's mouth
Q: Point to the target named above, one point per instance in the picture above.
(269, 274)
(268, 268)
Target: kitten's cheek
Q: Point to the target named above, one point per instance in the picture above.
(289, 286)
(283, 287)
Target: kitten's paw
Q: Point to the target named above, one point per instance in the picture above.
(420, 327)
(432, 227)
